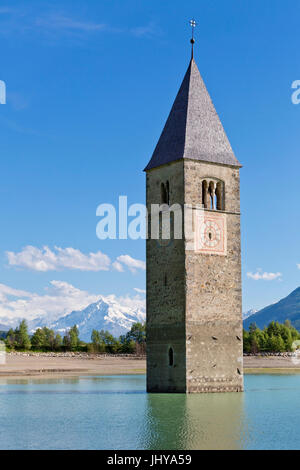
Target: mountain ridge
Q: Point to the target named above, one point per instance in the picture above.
(117, 315)
(105, 314)
(287, 308)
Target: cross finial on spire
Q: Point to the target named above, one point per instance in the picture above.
(193, 25)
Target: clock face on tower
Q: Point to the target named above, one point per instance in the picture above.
(211, 233)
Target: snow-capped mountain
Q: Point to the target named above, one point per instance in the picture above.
(115, 314)
(109, 313)
(248, 314)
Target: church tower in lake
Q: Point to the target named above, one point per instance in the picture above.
(194, 314)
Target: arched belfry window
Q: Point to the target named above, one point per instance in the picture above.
(213, 194)
(171, 357)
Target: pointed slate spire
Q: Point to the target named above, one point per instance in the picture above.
(193, 129)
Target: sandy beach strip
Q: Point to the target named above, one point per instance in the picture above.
(60, 366)
(271, 365)
(18, 366)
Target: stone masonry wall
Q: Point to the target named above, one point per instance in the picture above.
(214, 352)
(165, 295)
(194, 299)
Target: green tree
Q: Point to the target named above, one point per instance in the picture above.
(38, 340)
(49, 338)
(246, 342)
(127, 345)
(74, 338)
(22, 337)
(97, 342)
(280, 344)
(274, 329)
(135, 340)
(276, 344)
(57, 342)
(112, 345)
(10, 340)
(288, 324)
(137, 333)
(275, 337)
(71, 340)
(252, 327)
(286, 335)
(66, 342)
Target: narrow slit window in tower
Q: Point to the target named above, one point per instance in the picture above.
(163, 194)
(171, 357)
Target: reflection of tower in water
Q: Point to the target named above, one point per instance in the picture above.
(189, 422)
(164, 424)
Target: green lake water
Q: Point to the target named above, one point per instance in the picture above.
(116, 413)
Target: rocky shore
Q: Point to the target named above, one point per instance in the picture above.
(270, 354)
(82, 355)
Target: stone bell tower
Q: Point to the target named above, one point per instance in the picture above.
(194, 317)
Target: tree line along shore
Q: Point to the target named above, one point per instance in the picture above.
(47, 340)
(275, 338)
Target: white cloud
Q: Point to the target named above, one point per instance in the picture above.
(260, 275)
(59, 299)
(6, 291)
(58, 259)
(148, 30)
(131, 263)
(67, 23)
(59, 24)
(45, 22)
(140, 291)
(118, 266)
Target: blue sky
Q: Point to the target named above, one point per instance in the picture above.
(89, 87)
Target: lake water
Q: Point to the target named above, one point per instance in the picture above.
(116, 413)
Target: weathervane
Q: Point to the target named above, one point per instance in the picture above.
(193, 25)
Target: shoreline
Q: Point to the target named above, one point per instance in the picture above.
(64, 365)
(73, 365)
